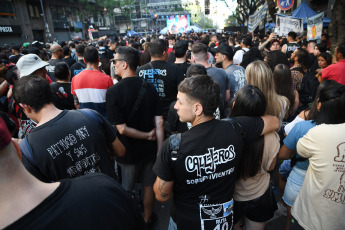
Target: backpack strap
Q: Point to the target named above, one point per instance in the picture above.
(138, 101)
(91, 114)
(236, 126)
(27, 151)
(174, 145)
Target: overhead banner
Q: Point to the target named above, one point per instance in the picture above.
(287, 24)
(314, 27)
(257, 17)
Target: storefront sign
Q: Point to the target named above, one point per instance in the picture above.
(10, 29)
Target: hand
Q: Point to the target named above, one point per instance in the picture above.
(272, 36)
(152, 135)
(319, 71)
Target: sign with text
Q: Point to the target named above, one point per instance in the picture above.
(10, 29)
(285, 4)
(257, 17)
(314, 27)
(287, 24)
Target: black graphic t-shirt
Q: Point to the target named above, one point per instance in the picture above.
(120, 99)
(62, 97)
(87, 202)
(165, 77)
(204, 173)
(77, 68)
(51, 68)
(70, 145)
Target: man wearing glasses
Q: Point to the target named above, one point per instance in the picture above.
(133, 105)
(57, 56)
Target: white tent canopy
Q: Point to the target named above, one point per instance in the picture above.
(195, 28)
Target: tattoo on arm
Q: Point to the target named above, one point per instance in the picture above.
(160, 187)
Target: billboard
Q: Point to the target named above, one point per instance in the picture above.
(178, 23)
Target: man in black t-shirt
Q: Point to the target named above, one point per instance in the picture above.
(80, 65)
(134, 108)
(180, 50)
(65, 144)
(202, 172)
(164, 76)
(87, 202)
(57, 55)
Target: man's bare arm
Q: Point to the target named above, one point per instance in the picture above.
(285, 153)
(136, 134)
(163, 189)
(76, 102)
(118, 150)
(159, 132)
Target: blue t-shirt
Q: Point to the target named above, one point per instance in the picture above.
(237, 79)
(221, 78)
(296, 133)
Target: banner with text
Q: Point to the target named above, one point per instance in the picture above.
(287, 24)
(257, 17)
(314, 27)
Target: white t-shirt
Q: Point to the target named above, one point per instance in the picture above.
(239, 56)
(320, 203)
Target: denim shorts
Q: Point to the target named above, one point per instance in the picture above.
(293, 185)
(285, 169)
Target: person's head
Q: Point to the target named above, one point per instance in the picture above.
(196, 69)
(180, 48)
(126, 57)
(31, 64)
(214, 38)
(252, 55)
(311, 46)
(66, 51)
(71, 45)
(275, 45)
(249, 101)
(80, 50)
(199, 53)
(32, 93)
(320, 48)
(113, 43)
(300, 56)
(12, 75)
(324, 60)
(331, 104)
(158, 48)
(260, 75)
(91, 55)
(101, 43)
(61, 71)
(246, 42)
(15, 49)
(324, 38)
(56, 51)
(292, 36)
(171, 40)
(340, 52)
(223, 52)
(197, 96)
(276, 57)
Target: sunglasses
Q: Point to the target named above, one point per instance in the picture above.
(120, 59)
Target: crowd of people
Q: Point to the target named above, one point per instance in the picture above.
(203, 119)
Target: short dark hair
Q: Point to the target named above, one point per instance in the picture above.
(322, 46)
(16, 47)
(80, 50)
(303, 58)
(157, 47)
(196, 69)
(293, 35)
(11, 75)
(130, 55)
(275, 58)
(32, 90)
(66, 50)
(61, 71)
(91, 54)
(332, 109)
(180, 48)
(204, 89)
(72, 44)
(341, 49)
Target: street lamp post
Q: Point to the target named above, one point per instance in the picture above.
(45, 23)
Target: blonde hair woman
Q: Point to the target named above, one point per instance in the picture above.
(260, 75)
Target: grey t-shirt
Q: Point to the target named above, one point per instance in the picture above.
(219, 76)
(236, 77)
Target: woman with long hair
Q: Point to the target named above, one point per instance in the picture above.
(253, 195)
(260, 75)
(283, 86)
(288, 150)
(323, 60)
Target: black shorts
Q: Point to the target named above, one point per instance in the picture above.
(260, 209)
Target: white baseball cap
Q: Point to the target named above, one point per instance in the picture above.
(29, 63)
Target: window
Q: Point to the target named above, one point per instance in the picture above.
(7, 9)
(34, 11)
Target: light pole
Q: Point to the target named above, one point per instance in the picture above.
(48, 35)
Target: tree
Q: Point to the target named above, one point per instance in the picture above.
(245, 8)
(337, 25)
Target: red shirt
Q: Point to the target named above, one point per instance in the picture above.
(335, 72)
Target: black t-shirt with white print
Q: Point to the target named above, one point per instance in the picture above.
(204, 173)
(165, 78)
